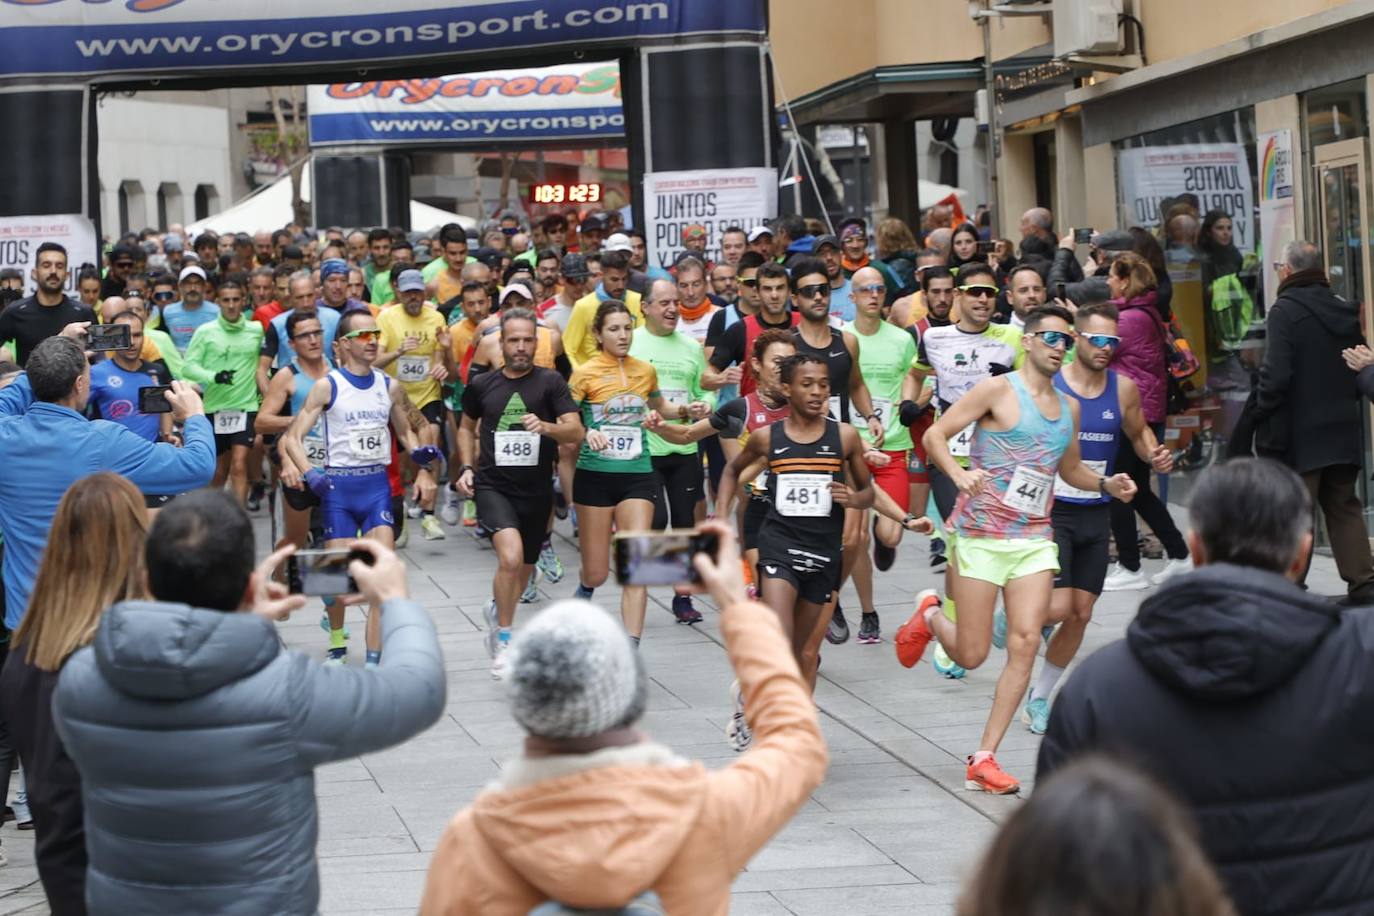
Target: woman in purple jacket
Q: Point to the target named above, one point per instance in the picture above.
(1141, 356)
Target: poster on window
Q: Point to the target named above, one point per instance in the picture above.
(716, 199)
(20, 237)
(1276, 203)
(1216, 174)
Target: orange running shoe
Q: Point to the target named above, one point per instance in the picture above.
(914, 635)
(989, 777)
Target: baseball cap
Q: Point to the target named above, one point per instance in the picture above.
(410, 281)
(593, 223)
(618, 241)
(823, 240)
(1113, 240)
(121, 253)
(574, 267)
(518, 289)
(759, 232)
(173, 242)
(192, 270)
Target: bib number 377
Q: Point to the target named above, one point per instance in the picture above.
(1029, 492)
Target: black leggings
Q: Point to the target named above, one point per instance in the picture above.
(1149, 505)
(677, 488)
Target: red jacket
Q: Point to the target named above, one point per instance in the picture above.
(1141, 356)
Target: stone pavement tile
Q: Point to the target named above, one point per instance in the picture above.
(875, 727)
(369, 847)
(875, 900)
(375, 892)
(759, 904)
(932, 854)
(361, 821)
(812, 843)
(917, 751)
(838, 876)
(29, 902)
(912, 791)
(367, 865)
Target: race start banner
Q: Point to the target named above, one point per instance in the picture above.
(573, 102)
(91, 38)
(716, 199)
(20, 237)
(1217, 174)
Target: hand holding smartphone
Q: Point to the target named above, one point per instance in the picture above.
(323, 572)
(105, 338)
(661, 558)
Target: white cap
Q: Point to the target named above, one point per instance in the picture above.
(192, 270)
(759, 232)
(518, 288)
(618, 241)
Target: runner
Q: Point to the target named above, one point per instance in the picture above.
(1109, 404)
(957, 357)
(697, 310)
(728, 362)
(524, 412)
(615, 480)
(356, 401)
(679, 361)
(473, 308)
(413, 335)
(223, 358)
(1026, 430)
(183, 317)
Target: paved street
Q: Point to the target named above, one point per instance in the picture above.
(890, 830)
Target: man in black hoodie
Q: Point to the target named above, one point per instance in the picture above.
(1307, 412)
(1249, 697)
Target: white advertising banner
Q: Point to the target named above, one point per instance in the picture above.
(1217, 174)
(715, 198)
(20, 237)
(1276, 204)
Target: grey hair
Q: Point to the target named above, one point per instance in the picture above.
(1302, 255)
(1040, 218)
(1237, 527)
(54, 367)
(691, 263)
(518, 313)
(649, 295)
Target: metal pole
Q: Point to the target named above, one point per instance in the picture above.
(994, 144)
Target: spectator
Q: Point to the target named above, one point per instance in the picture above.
(897, 249)
(1037, 222)
(48, 311)
(1147, 246)
(197, 735)
(1307, 411)
(1098, 838)
(556, 827)
(1105, 247)
(1247, 696)
(94, 559)
(963, 247)
(1141, 357)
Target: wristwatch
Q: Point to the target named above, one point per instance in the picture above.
(464, 469)
(909, 519)
(1102, 485)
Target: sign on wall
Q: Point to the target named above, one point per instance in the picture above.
(20, 237)
(716, 199)
(1276, 204)
(1217, 174)
(577, 101)
(120, 37)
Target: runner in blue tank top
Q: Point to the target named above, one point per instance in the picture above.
(1026, 431)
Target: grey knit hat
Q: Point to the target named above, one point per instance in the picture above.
(574, 673)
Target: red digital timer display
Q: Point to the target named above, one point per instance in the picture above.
(556, 193)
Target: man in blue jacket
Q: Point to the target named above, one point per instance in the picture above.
(46, 445)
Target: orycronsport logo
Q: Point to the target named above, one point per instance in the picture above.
(601, 81)
(357, 127)
(137, 6)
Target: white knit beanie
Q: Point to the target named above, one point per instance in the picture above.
(574, 673)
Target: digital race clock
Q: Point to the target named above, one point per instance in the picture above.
(557, 193)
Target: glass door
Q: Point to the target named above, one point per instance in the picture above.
(1343, 228)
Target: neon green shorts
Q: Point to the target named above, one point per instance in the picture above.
(998, 562)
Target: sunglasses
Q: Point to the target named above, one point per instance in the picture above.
(871, 288)
(813, 290)
(980, 292)
(1054, 339)
(307, 335)
(365, 335)
(751, 282)
(1101, 341)
(164, 297)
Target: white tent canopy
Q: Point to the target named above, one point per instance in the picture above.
(930, 193)
(270, 208)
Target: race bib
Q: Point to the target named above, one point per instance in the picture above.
(676, 396)
(412, 368)
(804, 495)
(369, 444)
(228, 422)
(314, 450)
(626, 443)
(962, 444)
(1029, 492)
(517, 448)
(1062, 488)
(882, 409)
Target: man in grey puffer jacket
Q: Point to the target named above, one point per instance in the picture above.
(197, 735)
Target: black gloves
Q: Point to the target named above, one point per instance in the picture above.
(909, 413)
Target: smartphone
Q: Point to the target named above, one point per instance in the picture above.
(986, 248)
(153, 399)
(1083, 236)
(323, 572)
(107, 337)
(660, 557)
(1059, 292)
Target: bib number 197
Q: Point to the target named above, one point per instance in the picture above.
(626, 442)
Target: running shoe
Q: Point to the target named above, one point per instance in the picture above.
(738, 731)
(999, 628)
(470, 513)
(493, 622)
(451, 513)
(560, 502)
(944, 665)
(432, 530)
(684, 611)
(324, 625)
(1036, 715)
(938, 561)
(413, 509)
(989, 777)
(1171, 569)
(869, 633)
(255, 498)
(336, 658)
(371, 666)
(914, 635)
(837, 633)
(531, 593)
(1121, 579)
(498, 661)
(549, 564)
(404, 537)
(883, 555)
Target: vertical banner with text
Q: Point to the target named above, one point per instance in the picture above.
(715, 198)
(1276, 204)
(20, 237)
